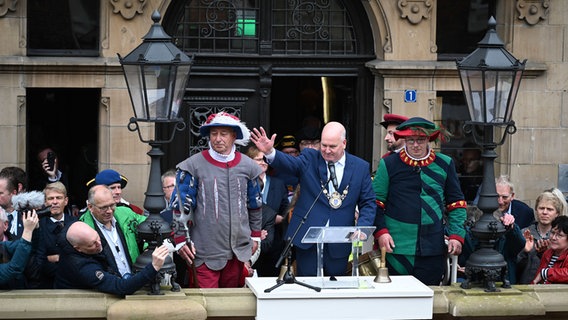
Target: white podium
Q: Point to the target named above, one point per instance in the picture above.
(403, 298)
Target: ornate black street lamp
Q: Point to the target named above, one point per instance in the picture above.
(156, 73)
(490, 77)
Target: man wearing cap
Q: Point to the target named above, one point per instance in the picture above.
(116, 182)
(309, 137)
(333, 184)
(391, 121)
(289, 145)
(414, 190)
(220, 187)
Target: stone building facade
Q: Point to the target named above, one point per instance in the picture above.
(399, 51)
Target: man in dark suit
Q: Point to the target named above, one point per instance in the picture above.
(47, 255)
(338, 182)
(524, 215)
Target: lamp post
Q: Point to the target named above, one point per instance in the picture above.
(490, 77)
(156, 73)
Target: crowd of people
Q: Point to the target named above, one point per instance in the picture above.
(243, 209)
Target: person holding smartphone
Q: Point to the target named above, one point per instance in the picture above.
(50, 166)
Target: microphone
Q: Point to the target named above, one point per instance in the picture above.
(332, 175)
(289, 241)
(26, 201)
(417, 169)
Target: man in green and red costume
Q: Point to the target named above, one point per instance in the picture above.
(414, 191)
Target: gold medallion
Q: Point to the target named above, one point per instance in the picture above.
(335, 200)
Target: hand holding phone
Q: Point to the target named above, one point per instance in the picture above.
(51, 160)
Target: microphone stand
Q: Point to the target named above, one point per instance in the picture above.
(288, 277)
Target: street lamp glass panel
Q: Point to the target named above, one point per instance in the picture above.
(182, 76)
(154, 88)
(490, 94)
(135, 82)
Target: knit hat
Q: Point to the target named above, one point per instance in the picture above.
(224, 119)
(391, 118)
(308, 133)
(417, 126)
(108, 177)
(287, 142)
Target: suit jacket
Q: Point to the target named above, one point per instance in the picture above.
(20, 227)
(311, 169)
(48, 233)
(524, 215)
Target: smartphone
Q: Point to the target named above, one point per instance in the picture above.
(51, 160)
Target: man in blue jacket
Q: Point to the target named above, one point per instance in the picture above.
(338, 182)
(83, 266)
(18, 250)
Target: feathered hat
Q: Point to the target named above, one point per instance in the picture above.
(224, 119)
(420, 127)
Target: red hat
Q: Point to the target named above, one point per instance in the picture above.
(418, 127)
(391, 118)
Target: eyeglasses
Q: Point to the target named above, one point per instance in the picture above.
(169, 187)
(418, 140)
(259, 160)
(557, 235)
(292, 153)
(305, 143)
(105, 208)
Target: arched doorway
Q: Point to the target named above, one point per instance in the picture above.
(269, 62)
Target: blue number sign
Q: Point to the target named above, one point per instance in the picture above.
(409, 95)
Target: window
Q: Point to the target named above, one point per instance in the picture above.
(302, 27)
(461, 25)
(63, 28)
(460, 146)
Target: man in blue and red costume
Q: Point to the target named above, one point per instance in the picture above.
(219, 187)
(415, 190)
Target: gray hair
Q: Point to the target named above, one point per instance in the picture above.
(504, 180)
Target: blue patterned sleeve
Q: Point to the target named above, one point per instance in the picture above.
(185, 189)
(254, 195)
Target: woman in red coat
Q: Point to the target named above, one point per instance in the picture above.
(554, 263)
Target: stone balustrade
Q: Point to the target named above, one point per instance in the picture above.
(450, 302)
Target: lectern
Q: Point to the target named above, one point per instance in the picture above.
(353, 235)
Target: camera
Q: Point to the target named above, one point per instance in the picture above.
(26, 201)
(51, 160)
(41, 213)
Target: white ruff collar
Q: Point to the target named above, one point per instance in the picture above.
(222, 157)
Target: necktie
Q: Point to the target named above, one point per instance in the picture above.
(261, 184)
(332, 175)
(10, 219)
(60, 224)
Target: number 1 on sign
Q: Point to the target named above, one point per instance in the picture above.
(410, 96)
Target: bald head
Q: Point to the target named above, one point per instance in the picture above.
(84, 238)
(333, 141)
(333, 129)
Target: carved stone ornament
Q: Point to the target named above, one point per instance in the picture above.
(128, 8)
(532, 11)
(415, 10)
(7, 5)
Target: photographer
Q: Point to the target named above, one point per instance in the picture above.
(22, 203)
(19, 250)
